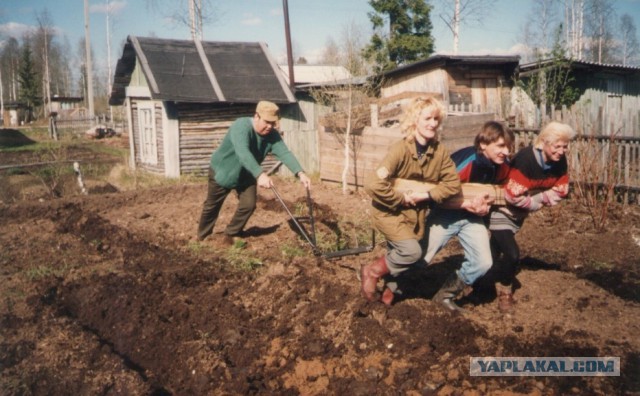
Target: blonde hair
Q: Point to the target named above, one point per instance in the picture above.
(413, 110)
(553, 132)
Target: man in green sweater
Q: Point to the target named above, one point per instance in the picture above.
(235, 165)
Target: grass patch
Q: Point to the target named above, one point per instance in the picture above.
(241, 260)
(43, 271)
(127, 179)
(599, 265)
(199, 248)
(291, 251)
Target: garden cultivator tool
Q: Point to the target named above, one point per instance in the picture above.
(311, 236)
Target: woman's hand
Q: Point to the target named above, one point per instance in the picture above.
(413, 198)
(479, 205)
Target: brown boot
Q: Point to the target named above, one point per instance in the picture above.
(506, 302)
(369, 276)
(387, 297)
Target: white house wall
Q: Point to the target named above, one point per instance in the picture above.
(171, 141)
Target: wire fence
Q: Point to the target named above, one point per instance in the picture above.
(81, 126)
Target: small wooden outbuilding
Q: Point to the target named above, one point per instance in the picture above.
(608, 100)
(478, 83)
(181, 96)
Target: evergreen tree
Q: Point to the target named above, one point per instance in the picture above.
(29, 93)
(409, 37)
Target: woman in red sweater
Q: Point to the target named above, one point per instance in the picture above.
(538, 177)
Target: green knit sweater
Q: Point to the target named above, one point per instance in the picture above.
(237, 161)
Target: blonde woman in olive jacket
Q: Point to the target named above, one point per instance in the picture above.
(401, 217)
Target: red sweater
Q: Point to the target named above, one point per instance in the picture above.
(532, 183)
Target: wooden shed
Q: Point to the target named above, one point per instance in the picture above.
(608, 102)
(181, 96)
(478, 83)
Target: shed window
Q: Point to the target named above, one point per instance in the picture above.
(148, 145)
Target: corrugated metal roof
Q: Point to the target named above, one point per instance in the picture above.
(579, 63)
(204, 72)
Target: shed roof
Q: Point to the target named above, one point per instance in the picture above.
(527, 68)
(201, 71)
(436, 61)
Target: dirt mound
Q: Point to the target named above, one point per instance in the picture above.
(112, 294)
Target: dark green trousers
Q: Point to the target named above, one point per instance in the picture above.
(216, 196)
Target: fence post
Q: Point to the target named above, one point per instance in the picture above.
(374, 114)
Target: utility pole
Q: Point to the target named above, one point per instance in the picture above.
(285, 7)
(88, 65)
(109, 76)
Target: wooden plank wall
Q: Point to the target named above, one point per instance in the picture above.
(298, 127)
(596, 112)
(202, 128)
(371, 145)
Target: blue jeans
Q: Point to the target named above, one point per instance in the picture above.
(442, 224)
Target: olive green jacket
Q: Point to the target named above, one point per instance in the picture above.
(393, 220)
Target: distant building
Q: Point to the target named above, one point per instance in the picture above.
(315, 74)
(68, 107)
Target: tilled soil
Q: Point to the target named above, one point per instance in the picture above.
(111, 294)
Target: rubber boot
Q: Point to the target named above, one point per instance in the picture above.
(369, 276)
(387, 297)
(506, 302)
(449, 291)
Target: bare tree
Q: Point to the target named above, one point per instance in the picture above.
(464, 12)
(330, 53)
(194, 14)
(538, 31)
(599, 20)
(44, 37)
(10, 59)
(1, 84)
(349, 101)
(108, 22)
(88, 57)
(574, 27)
(629, 48)
(353, 43)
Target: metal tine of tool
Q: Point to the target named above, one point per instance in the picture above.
(298, 225)
(311, 218)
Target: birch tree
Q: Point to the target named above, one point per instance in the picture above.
(599, 21)
(45, 37)
(539, 30)
(629, 48)
(574, 27)
(348, 101)
(10, 61)
(456, 13)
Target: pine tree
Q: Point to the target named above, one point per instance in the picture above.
(409, 37)
(29, 93)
